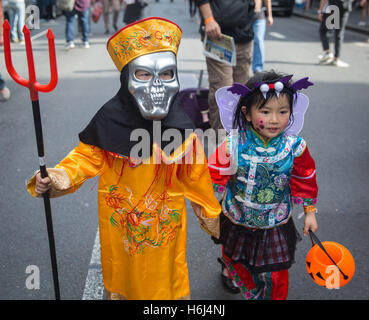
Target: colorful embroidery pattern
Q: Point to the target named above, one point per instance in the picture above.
(144, 37)
(304, 201)
(143, 223)
(259, 196)
(259, 287)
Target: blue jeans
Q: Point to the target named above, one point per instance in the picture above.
(16, 12)
(2, 82)
(83, 19)
(259, 27)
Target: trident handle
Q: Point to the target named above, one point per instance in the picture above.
(47, 205)
(34, 87)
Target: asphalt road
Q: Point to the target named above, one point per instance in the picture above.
(336, 129)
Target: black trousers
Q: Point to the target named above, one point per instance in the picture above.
(338, 33)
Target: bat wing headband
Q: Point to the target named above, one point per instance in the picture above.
(228, 97)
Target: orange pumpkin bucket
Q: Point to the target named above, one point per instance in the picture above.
(329, 264)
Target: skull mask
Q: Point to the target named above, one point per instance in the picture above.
(153, 83)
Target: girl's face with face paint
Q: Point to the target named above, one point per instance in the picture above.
(271, 119)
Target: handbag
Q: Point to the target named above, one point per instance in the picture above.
(194, 102)
(65, 5)
(97, 11)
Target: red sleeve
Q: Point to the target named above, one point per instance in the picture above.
(219, 165)
(304, 189)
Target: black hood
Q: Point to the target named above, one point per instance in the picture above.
(111, 127)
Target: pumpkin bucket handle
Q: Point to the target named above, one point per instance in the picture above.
(315, 239)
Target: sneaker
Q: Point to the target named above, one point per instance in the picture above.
(339, 63)
(107, 31)
(86, 45)
(5, 94)
(362, 23)
(325, 57)
(14, 40)
(22, 42)
(69, 45)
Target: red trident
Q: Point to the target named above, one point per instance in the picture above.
(34, 87)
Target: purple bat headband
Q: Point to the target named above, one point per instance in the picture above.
(228, 98)
(277, 86)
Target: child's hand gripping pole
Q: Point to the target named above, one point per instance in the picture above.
(34, 87)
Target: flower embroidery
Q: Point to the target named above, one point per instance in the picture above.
(304, 201)
(150, 203)
(281, 180)
(281, 212)
(164, 213)
(149, 222)
(297, 200)
(265, 196)
(248, 295)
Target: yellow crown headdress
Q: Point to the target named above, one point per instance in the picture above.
(143, 37)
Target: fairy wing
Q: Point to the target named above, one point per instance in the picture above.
(227, 103)
(300, 105)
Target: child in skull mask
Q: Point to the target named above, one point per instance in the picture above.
(142, 213)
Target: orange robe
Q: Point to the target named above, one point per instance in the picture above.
(142, 215)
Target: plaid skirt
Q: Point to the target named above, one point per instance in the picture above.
(260, 250)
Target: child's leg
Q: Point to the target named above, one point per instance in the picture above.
(279, 285)
(258, 286)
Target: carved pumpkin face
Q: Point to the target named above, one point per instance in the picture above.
(322, 270)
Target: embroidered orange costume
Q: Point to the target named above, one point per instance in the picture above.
(142, 212)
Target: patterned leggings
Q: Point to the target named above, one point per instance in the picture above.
(258, 286)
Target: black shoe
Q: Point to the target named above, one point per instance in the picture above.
(227, 282)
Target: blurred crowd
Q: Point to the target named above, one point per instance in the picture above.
(117, 13)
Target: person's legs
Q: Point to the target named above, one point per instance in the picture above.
(339, 35)
(259, 27)
(21, 17)
(69, 25)
(12, 12)
(327, 56)
(2, 82)
(364, 13)
(83, 18)
(323, 33)
(116, 9)
(4, 90)
(106, 7)
(280, 284)
(241, 72)
(219, 75)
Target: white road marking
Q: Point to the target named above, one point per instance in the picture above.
(94, 286)
(38, 35)
(277, 35)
